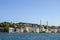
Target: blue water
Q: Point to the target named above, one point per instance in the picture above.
(29, 36)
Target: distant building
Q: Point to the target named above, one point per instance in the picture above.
(58, 29)
(53, 29)
(11, 30)
(37, 30)
(2, 29)
(18, 30)
(29, 27)
(43, 29)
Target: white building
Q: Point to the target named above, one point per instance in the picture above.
(11, 30)
(17, 30)
(37, 30)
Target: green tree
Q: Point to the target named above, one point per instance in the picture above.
(45, 27)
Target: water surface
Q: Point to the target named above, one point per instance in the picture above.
(29, 36)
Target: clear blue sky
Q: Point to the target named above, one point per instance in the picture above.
(30, 11)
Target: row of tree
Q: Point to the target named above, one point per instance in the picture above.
(7, 24)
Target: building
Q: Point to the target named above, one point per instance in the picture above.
(53, 29)
(11, 30)
(58, 29)
(2, 29)
(28, 27)
(17, 30)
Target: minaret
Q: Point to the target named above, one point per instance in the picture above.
(40, 26)
(47, 23)
(40, 22)
(47, 26)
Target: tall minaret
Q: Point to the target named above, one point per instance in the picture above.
(47, 23)
(40, 22)
(47, 27)
(40, 26)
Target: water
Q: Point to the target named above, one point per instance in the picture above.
(29, 36)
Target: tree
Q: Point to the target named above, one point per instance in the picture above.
(45, 27)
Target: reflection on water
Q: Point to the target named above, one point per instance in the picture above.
(29, 36)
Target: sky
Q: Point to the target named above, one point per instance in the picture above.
(30, 11)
